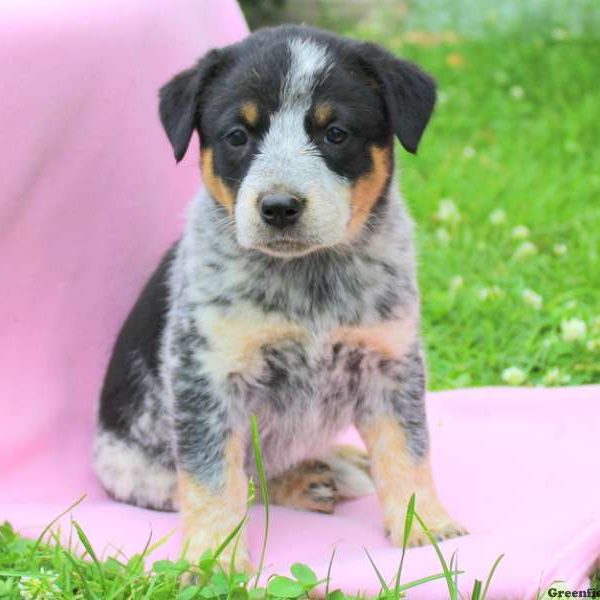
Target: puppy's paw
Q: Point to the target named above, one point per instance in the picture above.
(351, 471)
(439, 523)
(308, 486)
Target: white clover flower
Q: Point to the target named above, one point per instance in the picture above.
(525, 250)
(559, 34)
(42, 586)
(517, 92)
(442, 97)
(456, 283)
(595, 324)
(556, 377)
(559, 249)
(448, 212)
(532, 299)
(489, 293)
(593, 345)
(498, 217)
(442, 236)
(520, 232)
(573, 329)
(469, 152)
(514, 376)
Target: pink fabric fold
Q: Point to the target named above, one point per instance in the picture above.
(90, 196)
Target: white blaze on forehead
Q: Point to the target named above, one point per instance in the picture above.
(288, 160)
(286, 139)
(309, 61)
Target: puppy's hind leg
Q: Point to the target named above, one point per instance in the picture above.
(130, 474)
(350, 467)
(317, 485)
(309, 485)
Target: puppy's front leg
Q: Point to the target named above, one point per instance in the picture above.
(395, 432)
(210, 465)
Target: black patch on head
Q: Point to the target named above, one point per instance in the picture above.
(373, 95)
(409, 92)
(181, 99)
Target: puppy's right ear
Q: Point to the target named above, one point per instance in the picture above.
(180, 100)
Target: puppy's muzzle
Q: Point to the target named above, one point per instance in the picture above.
(280, 210)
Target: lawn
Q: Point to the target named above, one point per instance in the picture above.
(505, 192)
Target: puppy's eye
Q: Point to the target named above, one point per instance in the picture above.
(335, 135)
(237, 137)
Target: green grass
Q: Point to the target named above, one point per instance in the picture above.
(517, 131)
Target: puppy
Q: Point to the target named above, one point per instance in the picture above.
(291, 295)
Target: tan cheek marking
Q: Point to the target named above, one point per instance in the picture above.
(215, 185)
(236, 340)
(323, 113)
(368, 188)
(249, 113)
(210, 515)
(392, 339)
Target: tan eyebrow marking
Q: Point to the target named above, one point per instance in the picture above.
(323, 113)
(249, 112)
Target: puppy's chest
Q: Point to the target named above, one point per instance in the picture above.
(291, 366)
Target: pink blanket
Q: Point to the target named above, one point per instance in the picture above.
(90, 197)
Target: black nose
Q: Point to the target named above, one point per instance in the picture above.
(280, 210)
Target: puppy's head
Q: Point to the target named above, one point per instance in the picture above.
(296, 128)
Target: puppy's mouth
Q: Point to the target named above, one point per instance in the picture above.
(284, 247)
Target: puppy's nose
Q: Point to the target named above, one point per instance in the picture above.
(280, 210)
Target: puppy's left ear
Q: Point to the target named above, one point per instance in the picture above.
(409, 93)
(181, 100)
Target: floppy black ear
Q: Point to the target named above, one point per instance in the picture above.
(180, 100)
(409, 94)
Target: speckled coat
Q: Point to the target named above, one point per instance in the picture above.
(310, 330)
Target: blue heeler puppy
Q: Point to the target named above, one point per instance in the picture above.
(291, 295)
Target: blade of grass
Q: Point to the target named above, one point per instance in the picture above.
(379, 575)
(451, 587)
(329, 572)
(81, 574)
(453, 565)
(416, 582)
(160, 542)
(489, 577)
(48, 527)
(140, 557)
(408, 521)
(264, 491)
(146, 550)
(476, 593)
(88, 548)
(230, 536)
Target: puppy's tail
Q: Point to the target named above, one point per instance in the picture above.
(351, 472)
